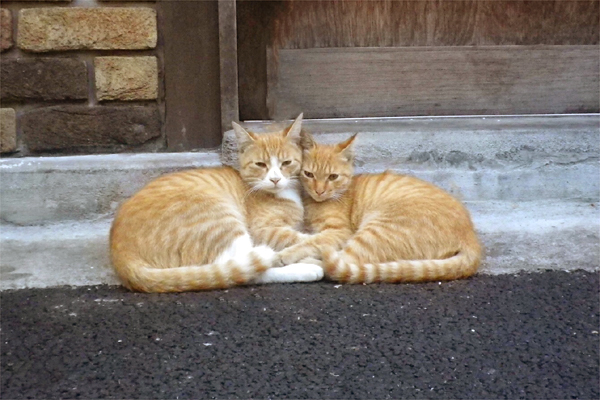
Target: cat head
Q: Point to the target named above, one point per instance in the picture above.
(327, 170)
(270, 161)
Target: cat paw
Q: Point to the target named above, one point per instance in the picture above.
(307, 272)
(299, 272)
(278, 261)
(284, 258)
(265, 254)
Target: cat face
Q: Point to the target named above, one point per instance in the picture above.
(271, 161)
(326, 169)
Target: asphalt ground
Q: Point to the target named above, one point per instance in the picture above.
(532, 336)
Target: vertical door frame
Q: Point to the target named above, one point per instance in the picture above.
(228, 63)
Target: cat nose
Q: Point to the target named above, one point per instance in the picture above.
(320, 192)
(275, 180)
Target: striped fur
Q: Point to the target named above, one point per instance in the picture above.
(207, 228)
(459, 266)
(380, 227)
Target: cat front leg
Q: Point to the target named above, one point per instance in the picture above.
(295, 253)
(311, 247)
(311, 260)
(278, 238)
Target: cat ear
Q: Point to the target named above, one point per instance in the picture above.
(346, 148)
(293, 132)
(307, 142)
(244, 138)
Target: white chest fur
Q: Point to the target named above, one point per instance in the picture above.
(291, 194)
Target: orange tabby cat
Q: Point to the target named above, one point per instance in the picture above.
(197, 229)
(387, 227)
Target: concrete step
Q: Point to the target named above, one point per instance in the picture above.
(532, 184)
(521, 158)
(508, 158)
(523, 236)
(42, 190)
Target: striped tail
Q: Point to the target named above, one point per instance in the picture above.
(462, 265)
(143, 278)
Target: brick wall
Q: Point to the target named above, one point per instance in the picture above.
(80, 76)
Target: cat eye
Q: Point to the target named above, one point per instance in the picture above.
(333, 177)
(309, 174)
(286, 162)
(260, 164)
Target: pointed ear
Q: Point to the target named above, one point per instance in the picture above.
(293, 132)
(346, 148)
(307, 142)
(244, 138)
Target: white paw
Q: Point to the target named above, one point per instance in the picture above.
(299, 272)
(277, 261)
(307, 272)
(265, 253)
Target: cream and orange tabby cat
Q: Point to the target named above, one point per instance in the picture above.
(198, 229)
(380, 227)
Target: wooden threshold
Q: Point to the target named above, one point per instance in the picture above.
(385, 81)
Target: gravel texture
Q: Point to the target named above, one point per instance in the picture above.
(508, 336)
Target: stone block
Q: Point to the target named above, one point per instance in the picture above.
(8, 130)
(43, 79)
(126, 78)
(6, 40)
(76, 28)
(74, 127)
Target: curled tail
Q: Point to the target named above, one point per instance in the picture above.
(461, 265)
(139, 276)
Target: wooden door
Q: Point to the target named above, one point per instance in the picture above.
(332, 59)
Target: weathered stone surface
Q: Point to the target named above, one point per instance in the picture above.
(8, 131)
(6, 40)
(43, 78)
(126, 78)
(77, 127)
(75, 28)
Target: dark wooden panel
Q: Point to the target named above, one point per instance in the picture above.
(343, 23)
(255, 22)
(190, 33)
(371, 82)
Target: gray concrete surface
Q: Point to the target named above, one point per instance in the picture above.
(41, 190)
(530, 236)
(476, 158)
(532, 184)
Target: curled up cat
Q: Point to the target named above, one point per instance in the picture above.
(382, 227)
(212, 228)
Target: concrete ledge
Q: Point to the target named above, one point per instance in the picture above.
(48, 190)
(476, 158)
(508, 158)
(537, 235)
(528, 236)
(71, 254)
